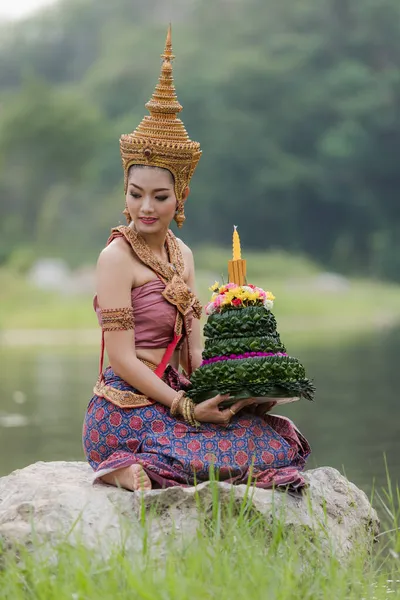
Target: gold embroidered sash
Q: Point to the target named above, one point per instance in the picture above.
(123, 398)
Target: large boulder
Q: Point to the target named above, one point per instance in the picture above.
(53, 501)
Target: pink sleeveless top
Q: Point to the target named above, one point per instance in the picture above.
(154, 316)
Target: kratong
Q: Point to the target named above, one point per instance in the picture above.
(243, 354)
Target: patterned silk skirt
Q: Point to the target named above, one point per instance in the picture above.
(269, 450)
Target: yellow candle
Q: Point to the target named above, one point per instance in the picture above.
(237, 266)
(237, 253)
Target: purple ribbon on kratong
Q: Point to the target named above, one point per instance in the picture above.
(239, 356)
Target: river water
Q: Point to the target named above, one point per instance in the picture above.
(353, 423)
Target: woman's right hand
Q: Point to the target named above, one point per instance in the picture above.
(209, 411)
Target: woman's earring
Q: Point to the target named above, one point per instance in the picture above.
(127, 213)
(180, 215)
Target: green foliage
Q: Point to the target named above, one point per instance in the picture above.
(239, 345)
(47, 136)
(273, 376)
(21, 260)
(241, 323)
(255, 370)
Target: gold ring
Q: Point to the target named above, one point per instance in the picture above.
(232, 411)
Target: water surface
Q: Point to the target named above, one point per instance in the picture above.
(354, 421)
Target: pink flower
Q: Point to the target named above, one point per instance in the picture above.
(261, 292)
(218, 300)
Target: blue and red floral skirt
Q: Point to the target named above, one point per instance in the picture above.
(269, 450)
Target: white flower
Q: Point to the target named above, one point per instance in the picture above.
(247, 288)
(210, 308)
(268, 304)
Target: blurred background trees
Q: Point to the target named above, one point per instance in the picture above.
(296, 105)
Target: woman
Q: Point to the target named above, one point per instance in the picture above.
(141, 430)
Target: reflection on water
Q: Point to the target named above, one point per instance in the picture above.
(352, 424)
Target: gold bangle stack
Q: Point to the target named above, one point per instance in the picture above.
(175, 406)
(184, 406)
(188, 407)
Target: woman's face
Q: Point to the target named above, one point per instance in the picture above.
(151, 199)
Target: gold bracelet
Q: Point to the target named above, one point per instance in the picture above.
(181, 403)
(195, 422)
(184, 406)
(185, 414)
(188, 412)
(175, 406)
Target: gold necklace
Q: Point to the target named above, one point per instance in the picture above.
(165, 270)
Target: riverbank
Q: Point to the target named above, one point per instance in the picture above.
(312, 307)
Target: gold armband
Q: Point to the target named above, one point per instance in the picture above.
(117, 319)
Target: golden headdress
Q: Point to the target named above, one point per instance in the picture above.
(161, 139)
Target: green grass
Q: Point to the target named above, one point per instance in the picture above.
(233, 555)
(308, 312)
(24, 307)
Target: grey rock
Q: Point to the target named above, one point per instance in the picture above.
(54, 501)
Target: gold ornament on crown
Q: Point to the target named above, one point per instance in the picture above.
(161, 139)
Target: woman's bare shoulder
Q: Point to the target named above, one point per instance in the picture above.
(186, 251)
(116, 255)
(115, 268)
(115, 275)
(189, 263)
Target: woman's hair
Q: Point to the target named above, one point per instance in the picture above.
(150, 167)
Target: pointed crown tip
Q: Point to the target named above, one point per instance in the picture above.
(168, 41)
(168, 46)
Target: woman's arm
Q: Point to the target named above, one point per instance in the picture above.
(114, 284)
(196, 344)
(114, 277)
